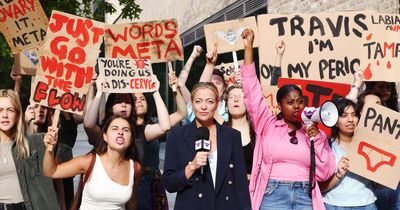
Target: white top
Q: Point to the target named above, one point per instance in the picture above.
(212, 159)
(100, 192)
(352, 190)
(10, 190)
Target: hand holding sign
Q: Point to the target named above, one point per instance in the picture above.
(155, 83)
(50, 139)
(101, 84)
(211, 57)
(171, 77)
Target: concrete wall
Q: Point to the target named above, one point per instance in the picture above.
(187, 12)
(314, 6)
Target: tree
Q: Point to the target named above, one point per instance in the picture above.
(83, 8)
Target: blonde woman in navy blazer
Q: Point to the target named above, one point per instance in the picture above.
(225, 186)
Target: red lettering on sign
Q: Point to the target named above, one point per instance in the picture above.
(118, 36)
(40, 92)
(61, 51)
(172, 46)
(142, 49)
(58, 22)
(16, 9)
(77, 55)
(172, 28)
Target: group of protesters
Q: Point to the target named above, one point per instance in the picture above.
(255, 159)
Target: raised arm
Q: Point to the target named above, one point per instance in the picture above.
(89, 123)
(355, 88)
(253, 98)
(154, 131)
(211, 59)
(181, 111)
(17, 77)
(197, 50)
(276, 71)
(67, 169)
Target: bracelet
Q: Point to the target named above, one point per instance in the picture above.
(336, 174)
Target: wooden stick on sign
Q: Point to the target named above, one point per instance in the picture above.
(54, 125)
(171, 71)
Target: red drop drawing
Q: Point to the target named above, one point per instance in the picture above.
(377, 63)
(140, 63)
(369, 36)
(367, 72)
(389, 65)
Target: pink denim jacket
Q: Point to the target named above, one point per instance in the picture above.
(268, 128)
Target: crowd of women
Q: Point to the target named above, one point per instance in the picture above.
(255, 160)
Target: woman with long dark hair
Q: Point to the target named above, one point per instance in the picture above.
(345, 189)
(284, 174)
(110, 184)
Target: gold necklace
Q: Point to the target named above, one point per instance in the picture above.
(5, 152)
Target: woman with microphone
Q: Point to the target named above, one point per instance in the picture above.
(223, 184)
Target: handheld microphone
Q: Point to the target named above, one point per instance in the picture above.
(202, 142)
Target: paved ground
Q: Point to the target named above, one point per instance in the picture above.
(82, 147)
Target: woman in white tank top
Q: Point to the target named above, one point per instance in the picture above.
(110, 184)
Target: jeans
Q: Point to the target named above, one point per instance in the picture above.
(388, 199)
(13, 206)
(367, 207)
(288, 195)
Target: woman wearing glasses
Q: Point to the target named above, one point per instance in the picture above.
(283, 176)
(239, 120)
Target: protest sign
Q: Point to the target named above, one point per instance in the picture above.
(231, 76)
(157, 41)
(375, 148)
(316, 92)
(67, 62)
(125, 75)
(227, 35)
(326, 46)
(26, 62)
(381, 48)
(269, 93)
(23, 24)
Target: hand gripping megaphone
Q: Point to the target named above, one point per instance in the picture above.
(327, 114)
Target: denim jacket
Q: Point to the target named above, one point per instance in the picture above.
(37, 190)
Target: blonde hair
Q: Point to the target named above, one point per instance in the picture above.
(205, 85)
(18, 131)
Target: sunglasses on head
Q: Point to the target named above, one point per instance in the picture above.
(293, 138)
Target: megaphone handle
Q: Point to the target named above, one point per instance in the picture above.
(312, 137)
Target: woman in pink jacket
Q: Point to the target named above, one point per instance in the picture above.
(284, 175)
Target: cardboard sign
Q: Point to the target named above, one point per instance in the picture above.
(231, 76)
(157, 41)
(227, 34)
(23, 24)
(316, 92)
(269, 93)
(127, 75)
(326, 46)
(381, 48)
(375, 148)
(26, 62)
(67, 62)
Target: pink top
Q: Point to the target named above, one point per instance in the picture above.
(271, 159)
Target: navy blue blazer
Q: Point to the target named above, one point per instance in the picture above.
(198, 192)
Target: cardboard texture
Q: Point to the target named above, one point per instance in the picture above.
(269, 93)
(23, 24)
(231, 76)
(324, 46)
(126, 75)
(66, 65)
(227, 34)
(157, 41)
(375, 148)
(381, 48)
(27, 61)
